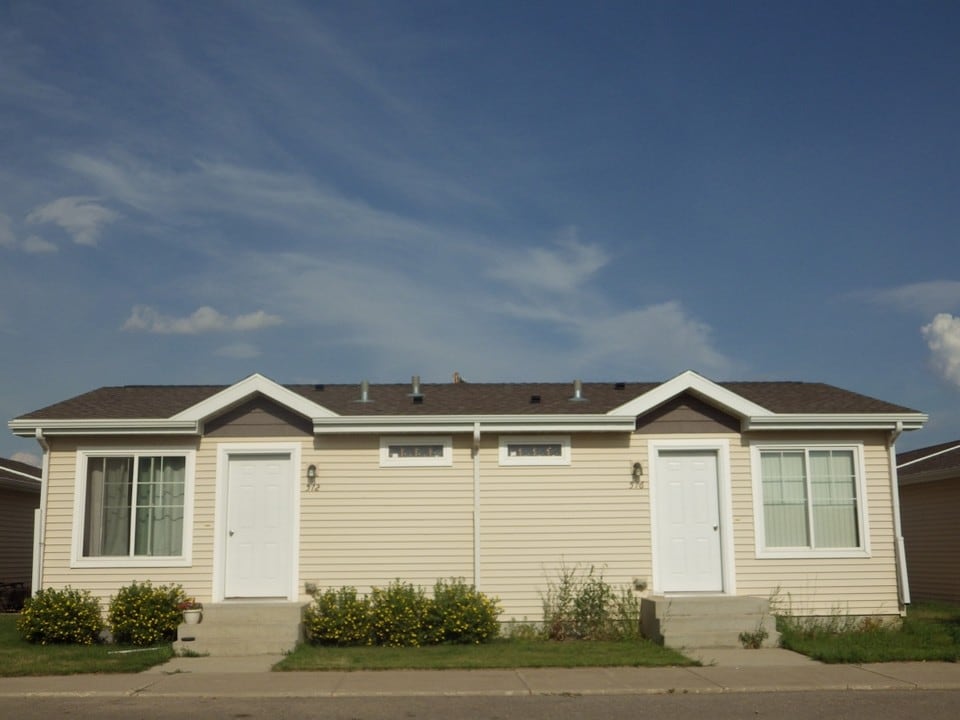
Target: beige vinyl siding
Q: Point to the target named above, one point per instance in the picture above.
(929, 511)
(103, 582)
(369, 525)
(16, 533)
(820, 585)
(536, 519)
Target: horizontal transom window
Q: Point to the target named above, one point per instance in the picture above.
(535, 450)
(413, 451)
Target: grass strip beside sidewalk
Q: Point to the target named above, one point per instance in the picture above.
(20, 658)
(506, 653)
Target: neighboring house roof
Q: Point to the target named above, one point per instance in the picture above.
(17, 475)
(337, 408)
(935, 462)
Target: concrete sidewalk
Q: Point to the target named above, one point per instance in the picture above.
(723, 671)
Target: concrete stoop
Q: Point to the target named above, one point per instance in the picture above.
(240, 629)
(706, 621)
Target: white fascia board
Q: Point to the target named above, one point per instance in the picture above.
(828, 421)
(694, 383)
(20, 473)
(462, 423)
(122, 426)
(244, 389)
(927, 457)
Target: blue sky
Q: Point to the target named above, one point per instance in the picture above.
(327, 192)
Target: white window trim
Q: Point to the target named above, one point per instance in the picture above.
(760, 534)
(445, 460)
(77, 559)
(562, 459)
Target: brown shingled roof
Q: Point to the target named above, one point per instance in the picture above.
(161, 402)
(945, 456)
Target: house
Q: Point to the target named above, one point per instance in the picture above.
(685, 488)
(19, 500)
(929, 503)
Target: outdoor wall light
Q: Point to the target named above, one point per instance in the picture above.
(311, 478)
(636, 476)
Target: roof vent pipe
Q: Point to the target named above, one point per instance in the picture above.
(577, 392)
(365, 391)
(415, 383)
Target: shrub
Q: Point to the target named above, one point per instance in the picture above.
(459, 613)
(339, 617)
(60, 616)
(399, 614)
(141, 614)
(584, 606)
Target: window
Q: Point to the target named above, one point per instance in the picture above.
(810, 499)
(415, 451)
(133, 505)
(529, 450)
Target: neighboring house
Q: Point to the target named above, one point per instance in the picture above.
(686, 487)
(930, 505)
(19, 500)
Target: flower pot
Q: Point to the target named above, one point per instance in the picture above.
(192, 617)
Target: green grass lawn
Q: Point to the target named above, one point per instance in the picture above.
(18, 657)
(929, 632)
(506, 653)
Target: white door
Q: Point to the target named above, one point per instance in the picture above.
(688, 521)
(258, 526)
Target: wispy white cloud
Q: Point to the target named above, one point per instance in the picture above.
(928, 297)
(83, 218)
(38, 246)
(28, 458)
(562, 268)
(943, 338)
(239, 351)
(7, 238)
(203, 320)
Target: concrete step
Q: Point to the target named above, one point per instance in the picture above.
(706, 621)
(238, 629)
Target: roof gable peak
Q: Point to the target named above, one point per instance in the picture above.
(248, 387)
(697, 385)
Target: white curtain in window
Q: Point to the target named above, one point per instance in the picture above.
(833, 487)
(107, 521)
(784, 499)
(160, 494)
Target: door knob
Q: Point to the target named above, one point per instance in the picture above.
(231, 532)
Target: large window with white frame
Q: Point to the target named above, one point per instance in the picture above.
(534, 449)
(809, 499)
(415, 451)
(133, 505)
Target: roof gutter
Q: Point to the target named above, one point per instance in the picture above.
(471, 424)
(114, 426)
(807, 421)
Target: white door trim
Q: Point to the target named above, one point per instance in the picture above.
(226, 451)
(724, 504)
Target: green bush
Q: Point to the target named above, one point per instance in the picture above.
(584, 606)
(339, 617)
(60, 616)
(141, 614)
(459, 613)
(399, 613)
(402, 615)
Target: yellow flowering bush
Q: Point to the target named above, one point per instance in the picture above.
(402, 615)
(141, 614)
(460, 614)
(60, 616)
(338, 617)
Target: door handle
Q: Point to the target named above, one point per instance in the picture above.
(231, 532)
(715, 527)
